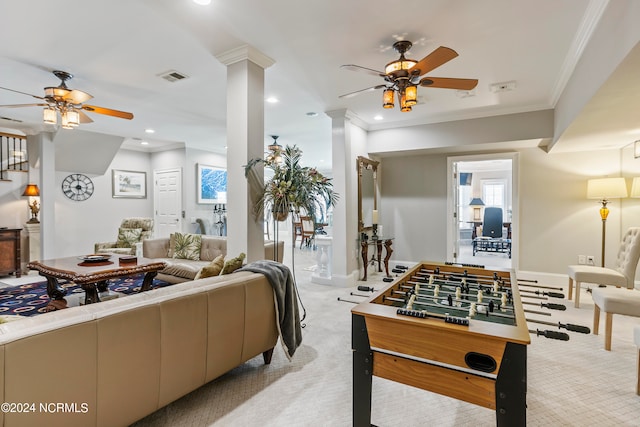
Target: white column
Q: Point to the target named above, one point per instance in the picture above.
(344, 266)
(33, 235)
(42, 157)
(245, 141)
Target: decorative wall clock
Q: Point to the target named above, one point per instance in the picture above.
(77, 187)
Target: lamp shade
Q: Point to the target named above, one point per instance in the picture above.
(476, 201)
(606, 188)
(31, 190)
(635, 187)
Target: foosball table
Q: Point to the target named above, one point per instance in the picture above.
(455, 330)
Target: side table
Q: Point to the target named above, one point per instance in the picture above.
(378, 242)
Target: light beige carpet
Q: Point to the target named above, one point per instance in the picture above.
(574, 383)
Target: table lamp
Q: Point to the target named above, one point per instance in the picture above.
(32, 191)
(476, 202)
(604, 189)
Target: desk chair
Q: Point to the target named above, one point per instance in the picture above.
(491, 239)
(622, 274)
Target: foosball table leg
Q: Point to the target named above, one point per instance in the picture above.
(362, 372)
(511, 387)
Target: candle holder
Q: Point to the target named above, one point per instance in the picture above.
(374, 230)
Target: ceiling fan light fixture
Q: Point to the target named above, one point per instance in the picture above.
(73, 117)
(387, 98)
(56, 92)
(404, 107)
(64, 121)
(411, 95)
(50, 116)
(401, 64)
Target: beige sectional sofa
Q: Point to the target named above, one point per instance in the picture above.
(112, 363)
(180, 270)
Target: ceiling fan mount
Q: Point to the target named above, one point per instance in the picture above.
(403, 76)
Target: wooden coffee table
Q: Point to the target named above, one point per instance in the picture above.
(92, 276)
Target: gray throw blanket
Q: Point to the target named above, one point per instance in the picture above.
(286, 302)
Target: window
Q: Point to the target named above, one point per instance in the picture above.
(493, 193)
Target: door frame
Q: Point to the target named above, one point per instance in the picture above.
(452, 222)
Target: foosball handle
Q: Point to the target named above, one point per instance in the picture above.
(554, 335)
(366, 288)
(555, 294)
(552, 306)
(576, 328)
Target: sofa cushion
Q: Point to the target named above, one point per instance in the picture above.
(127, 237)
(187, 246)
(233, 264)
(188, 270)
(212, 269)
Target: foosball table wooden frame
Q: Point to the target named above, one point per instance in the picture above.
(482, 362)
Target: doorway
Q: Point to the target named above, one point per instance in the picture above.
(475, 184)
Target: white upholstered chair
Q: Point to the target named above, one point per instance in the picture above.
(622, 275)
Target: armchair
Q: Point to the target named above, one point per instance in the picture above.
(491, 239)
(131, 233)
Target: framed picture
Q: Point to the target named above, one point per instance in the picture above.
(129, 184)
(212, 184)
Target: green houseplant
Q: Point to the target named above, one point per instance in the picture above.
(291, 187)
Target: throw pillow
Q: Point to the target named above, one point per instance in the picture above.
(233, 264)
(212, 269)
(128, 237)
(187, 246)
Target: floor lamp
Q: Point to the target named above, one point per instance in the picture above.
(604, 189)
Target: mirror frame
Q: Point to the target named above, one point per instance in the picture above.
(365, 163)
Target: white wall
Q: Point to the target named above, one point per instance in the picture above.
(79, 225)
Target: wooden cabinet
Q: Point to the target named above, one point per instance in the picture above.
(10, 251)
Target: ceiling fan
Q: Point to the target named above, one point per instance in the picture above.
(67, 102)
(403, 76)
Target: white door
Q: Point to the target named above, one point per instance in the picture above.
(168, 201)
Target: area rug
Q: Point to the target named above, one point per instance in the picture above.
(31, 299)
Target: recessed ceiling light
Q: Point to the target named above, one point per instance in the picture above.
(144, 143)
(202, 2)
(272, 100)
(378, 117)
(149, 131)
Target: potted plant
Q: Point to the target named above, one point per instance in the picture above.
(291, 187)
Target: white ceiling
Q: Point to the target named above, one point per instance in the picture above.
(116, 49)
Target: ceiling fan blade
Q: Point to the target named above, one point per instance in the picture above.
(77, 97)
(435, 59)
(23, 105)
(449, 83)
(108, 112)
(84, 118)
(358, 92)
(24, 93)
(358, 68)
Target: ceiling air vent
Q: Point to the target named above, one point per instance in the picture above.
(173, 76)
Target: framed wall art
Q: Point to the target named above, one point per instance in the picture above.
(129, 184)
(212, 184)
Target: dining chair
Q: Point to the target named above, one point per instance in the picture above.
(622, 275)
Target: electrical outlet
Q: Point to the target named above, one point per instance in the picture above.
(591, 260)
(582, 259)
